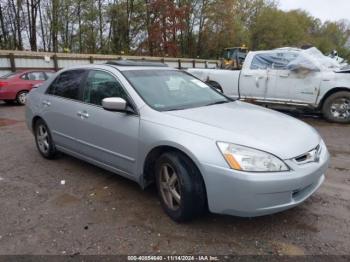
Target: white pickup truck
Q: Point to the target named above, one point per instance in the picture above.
(287, 78)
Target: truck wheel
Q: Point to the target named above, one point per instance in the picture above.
(21, 97)
(215, 85)
(180, 186)
(336, 108)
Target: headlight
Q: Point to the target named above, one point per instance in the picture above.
(248, 159)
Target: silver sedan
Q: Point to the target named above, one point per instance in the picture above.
(203, 150)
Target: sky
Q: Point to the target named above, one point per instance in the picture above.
(324, 9)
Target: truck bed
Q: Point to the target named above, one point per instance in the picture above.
(227, 79)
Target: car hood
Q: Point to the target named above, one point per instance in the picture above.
(249, 125)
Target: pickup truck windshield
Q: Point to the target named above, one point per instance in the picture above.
(166, 90)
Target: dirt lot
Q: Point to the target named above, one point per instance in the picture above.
(96, 212)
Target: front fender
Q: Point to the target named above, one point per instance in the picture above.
(201, 150)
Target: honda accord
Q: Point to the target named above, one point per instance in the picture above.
(155, 124)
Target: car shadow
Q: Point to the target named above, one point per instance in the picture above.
(3, 104)
(208, 221)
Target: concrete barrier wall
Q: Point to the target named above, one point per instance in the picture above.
(11, 61)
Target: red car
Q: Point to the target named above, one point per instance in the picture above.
(14, 87)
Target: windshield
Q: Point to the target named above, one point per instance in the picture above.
(166, 90)
(228, 53)
(235, 52)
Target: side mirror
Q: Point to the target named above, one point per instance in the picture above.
(114, 104)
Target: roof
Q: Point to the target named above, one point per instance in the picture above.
(277, 50)
(119, 67)
(124, 62)
(287, 48)
(236, 47)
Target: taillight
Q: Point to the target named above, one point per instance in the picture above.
(2, 84)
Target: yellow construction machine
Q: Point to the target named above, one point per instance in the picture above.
(233, 57)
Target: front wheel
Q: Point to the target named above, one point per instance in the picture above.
(336, 108)
(180, 186)
(21, 98)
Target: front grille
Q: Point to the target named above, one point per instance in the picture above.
(310, 156)
(301, 158)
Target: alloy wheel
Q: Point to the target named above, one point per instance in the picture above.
(169, 187)
(22, 97)
(340, 108)
(43, 139)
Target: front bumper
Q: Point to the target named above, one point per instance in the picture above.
(255, 194)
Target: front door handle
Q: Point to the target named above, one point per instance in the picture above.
(284, 75)
(83, 114)
(247, 75)
(257, 78)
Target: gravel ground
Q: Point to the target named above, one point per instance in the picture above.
(96, 212)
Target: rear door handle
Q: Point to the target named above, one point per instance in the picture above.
(46, 103)
(83, 114)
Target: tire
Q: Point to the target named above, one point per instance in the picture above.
(43, 140)
(21, 97)
(189, 199)
(336, 108)
(215, 85)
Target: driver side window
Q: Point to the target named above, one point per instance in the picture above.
(100, 85)
(273, 60)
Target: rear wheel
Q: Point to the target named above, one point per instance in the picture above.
(21, 97)
(43, 140)
(180, 187)
(336, 108)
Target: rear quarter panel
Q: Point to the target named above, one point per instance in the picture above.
(19, 84)
(34, 99)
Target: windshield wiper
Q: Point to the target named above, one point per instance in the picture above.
(175, 109)
(188, 107)
(217, 103)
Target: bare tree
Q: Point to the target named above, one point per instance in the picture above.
(100, 22)
(54, 25)
(3, 35)
(202, 20)
(42, 27)
(32, 13)
(16, 9)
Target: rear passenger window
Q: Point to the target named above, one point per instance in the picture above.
(34, 76)
(67, 84)
(100, 85)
